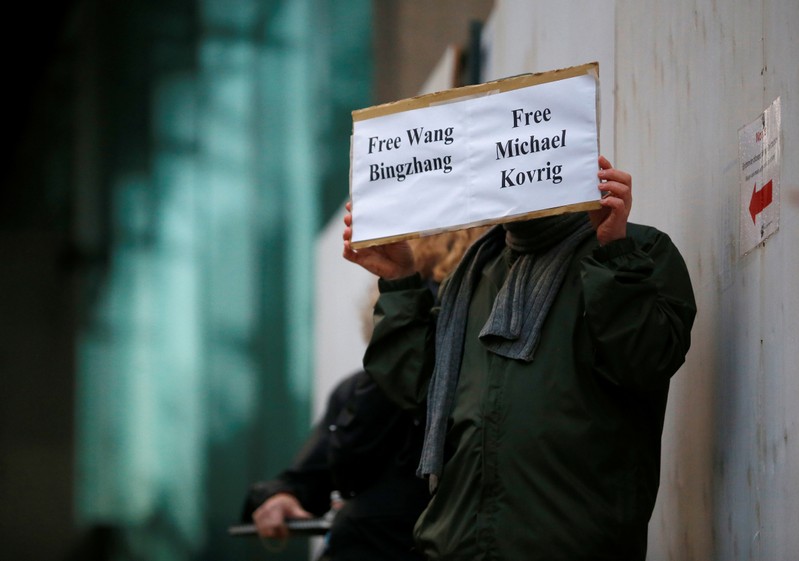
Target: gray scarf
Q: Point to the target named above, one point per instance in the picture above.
(545, 247)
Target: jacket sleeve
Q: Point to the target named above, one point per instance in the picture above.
(639, 308)
(400, 355)
(370, 433)
(309, 477)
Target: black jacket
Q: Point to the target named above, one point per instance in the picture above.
(557, 459)
(366, 448)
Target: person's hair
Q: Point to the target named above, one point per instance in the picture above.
(436, 256)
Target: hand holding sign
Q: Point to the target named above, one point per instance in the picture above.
(389, 261)
(610, 222)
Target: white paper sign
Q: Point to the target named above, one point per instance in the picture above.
(759, 156)
(475, 161)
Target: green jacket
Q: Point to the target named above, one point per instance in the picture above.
(559, 458)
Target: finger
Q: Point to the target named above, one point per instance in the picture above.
(613, 203)
(361, 257)
(275, 525)
(273, 532)
(348, 219)
(265, 525)
(609, 173)
(616, 189)
(604, 163)
(348, 206)
(617, 175)
(350, 254)
(299, 512)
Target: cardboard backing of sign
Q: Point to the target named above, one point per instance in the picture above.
(470, 92)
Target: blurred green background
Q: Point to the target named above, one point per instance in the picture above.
(168, 166)
(177, 158)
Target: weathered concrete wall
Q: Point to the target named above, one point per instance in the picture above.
(687, 75)
(411, 35)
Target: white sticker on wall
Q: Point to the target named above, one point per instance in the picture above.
(759, 157)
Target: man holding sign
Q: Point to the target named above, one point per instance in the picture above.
(545, 372)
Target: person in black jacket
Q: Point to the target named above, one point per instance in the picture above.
(545, 370)
(366, 448)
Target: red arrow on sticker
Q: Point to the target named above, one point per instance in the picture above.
(760, 200)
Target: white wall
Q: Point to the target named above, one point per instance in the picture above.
(342, 288)
(686, 75)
